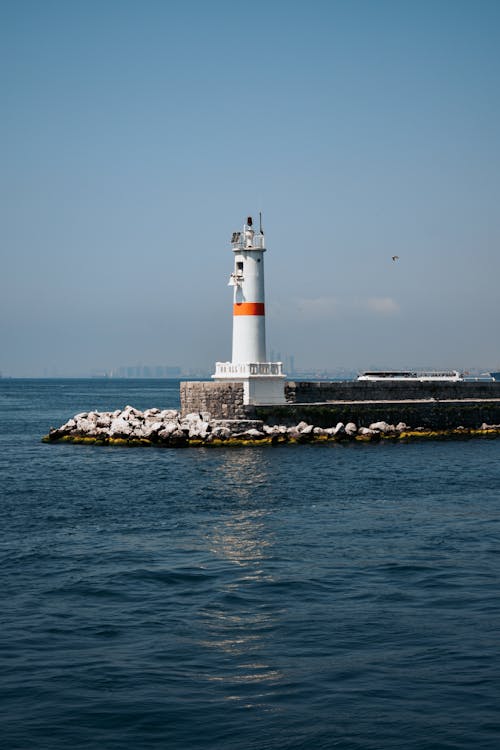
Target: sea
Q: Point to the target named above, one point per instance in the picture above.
(258, 598)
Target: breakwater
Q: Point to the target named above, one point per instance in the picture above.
(215, 413)
(435, 406)
(168, 428)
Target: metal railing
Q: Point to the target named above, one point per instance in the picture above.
(244, 370)
(240, 242)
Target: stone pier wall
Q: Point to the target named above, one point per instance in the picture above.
(430, 405)
(303, 392)
(221, 400)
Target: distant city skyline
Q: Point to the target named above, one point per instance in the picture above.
(162, 372)
(138, 136)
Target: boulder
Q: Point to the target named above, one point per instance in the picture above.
(129, 412)
(253, 433)
(168, 414)
(120, 427)
(194, 426)
(200, 430)
(151, 429)
(167, 429)
(220, 432)
(381, 427)
(102, 431)
(86, 426)
(367, 431)
(178, 438)
(307, 430)
(271, 431)
(351, 429)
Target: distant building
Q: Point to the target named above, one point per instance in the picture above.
(146, 371)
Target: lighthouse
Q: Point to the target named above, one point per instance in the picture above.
(263, 381)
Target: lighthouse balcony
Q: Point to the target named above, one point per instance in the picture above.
(248, 369)
(240, 242)
(263, 382)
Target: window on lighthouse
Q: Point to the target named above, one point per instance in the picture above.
(239, 266)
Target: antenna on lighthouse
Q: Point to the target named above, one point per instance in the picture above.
(260, 222)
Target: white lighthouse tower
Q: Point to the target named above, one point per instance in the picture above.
(263, 381)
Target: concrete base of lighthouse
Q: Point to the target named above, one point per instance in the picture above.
(263, 382)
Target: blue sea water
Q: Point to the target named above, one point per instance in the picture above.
(247, 598)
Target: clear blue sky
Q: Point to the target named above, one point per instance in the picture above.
(136, 136)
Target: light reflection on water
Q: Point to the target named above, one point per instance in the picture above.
(238, 625)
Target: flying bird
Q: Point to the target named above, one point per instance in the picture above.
(395, 257)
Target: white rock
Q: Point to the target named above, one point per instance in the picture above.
(351, 428)
(320, 431)
(381, 427)
(252, 432)
(301, 426)
(221, 432)
(367, 431)
(401, 426)
(339, 428)
(152, 428)
(200, 429)
(168, 428)
(178, 434)
(168, 414)
(151, 412)
(120, 428)
(86, 425)
(271, 431)
(129, 411)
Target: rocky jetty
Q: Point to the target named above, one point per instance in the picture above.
(169, 428)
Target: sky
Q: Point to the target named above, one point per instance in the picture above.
(137, 135)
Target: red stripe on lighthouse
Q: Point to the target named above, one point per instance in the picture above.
(248, 308)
